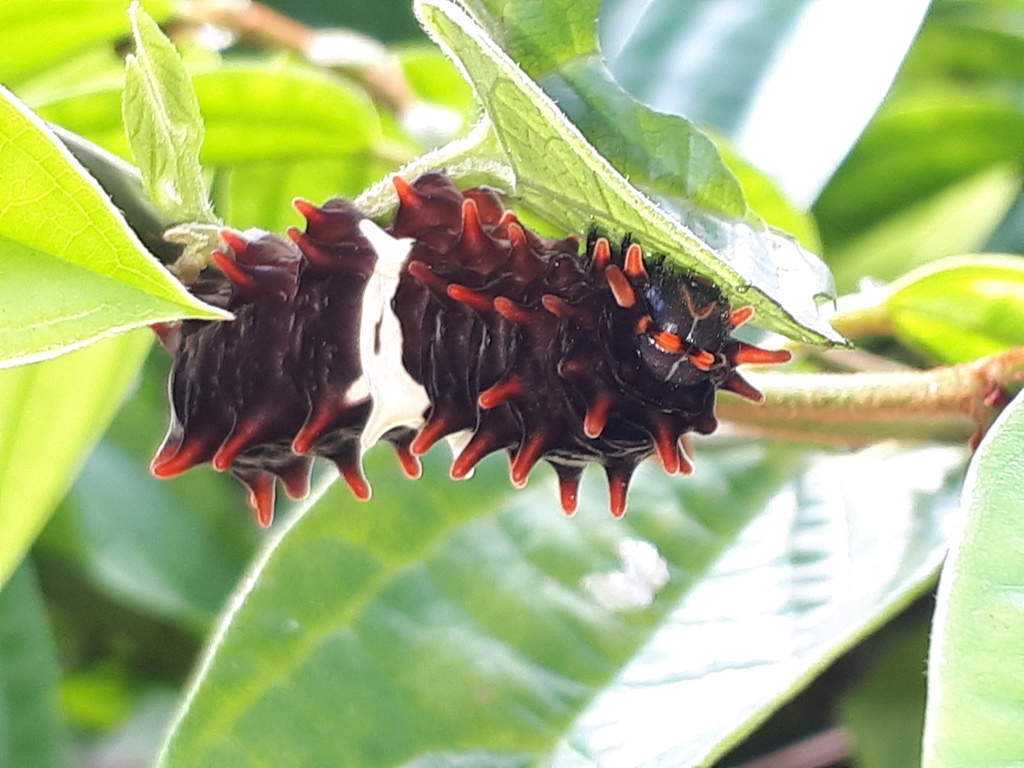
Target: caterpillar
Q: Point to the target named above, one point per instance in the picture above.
(455, 322)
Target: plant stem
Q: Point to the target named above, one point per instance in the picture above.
(951, 403)
(365, 60)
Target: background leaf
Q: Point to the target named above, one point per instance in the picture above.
(30, 727)
(58, 227)
(915, 148)
(52, 414)
(958, 219)
(884, 713)
(171, 550)
(67, 27)
(978, 301)
(975, 712)
(274, 133)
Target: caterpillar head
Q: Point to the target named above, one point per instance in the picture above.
(689, 324)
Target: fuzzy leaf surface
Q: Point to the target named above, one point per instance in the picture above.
(562, 178)
(163, 123)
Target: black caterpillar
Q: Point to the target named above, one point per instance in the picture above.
(456, 322)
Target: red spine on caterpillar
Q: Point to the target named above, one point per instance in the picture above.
(455, 322)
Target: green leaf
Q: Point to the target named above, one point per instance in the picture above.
(261, 194)
(251, 113)
(765, 197)
(965, 43)
(884, 713)
(975, 713)
(71, 271)
(560, 177)
(540, 35)
(664, 153)
(838, 551)
(959, 219)
(123, 183)
(960, 309)
(171, 549)
(30, 730)
(912, 151)
(51, 414)
(479, 625)
(556, 45)
(163, 123)
(262, 113)
(435, 79)
(36, 35)
(60, 302)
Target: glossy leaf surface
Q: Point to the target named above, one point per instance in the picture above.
(958, 310)
(975, 712)
(463, 616)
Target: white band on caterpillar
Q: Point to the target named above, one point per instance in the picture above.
(398, 399)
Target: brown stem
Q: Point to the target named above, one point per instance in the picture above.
(952, 403)
(822, 750)
(260, 25)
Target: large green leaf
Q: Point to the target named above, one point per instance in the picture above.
(442, 624)
(975, 713)
(960, 309)
(168, 549)
(30, 729)
(251, 113)
(835, 554)
(913, 150)
(663, 154)
(959, 219)
(564, 180)
(71, 270)
(35, 35)
(51, 413)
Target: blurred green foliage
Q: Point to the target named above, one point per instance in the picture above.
(453, 613)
